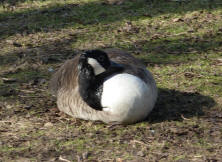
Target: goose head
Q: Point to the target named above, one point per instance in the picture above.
(94, 67)
(96, 62)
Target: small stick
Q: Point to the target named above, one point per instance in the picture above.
(62, 159)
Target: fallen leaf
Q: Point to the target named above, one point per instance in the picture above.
(9, 80)
(219, 61)
(178, 20)
(49, 124)
(140, 153)
(119, 160)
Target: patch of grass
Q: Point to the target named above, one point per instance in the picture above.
(6, 149)
(27, 75)
(180, 157)
(78, 144)
(180, 42)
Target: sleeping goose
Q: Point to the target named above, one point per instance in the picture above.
(107, 85)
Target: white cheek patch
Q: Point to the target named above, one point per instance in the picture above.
(98, 69)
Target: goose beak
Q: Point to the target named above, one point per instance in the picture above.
(82, 61)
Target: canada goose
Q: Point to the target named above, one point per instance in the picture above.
(108, 85)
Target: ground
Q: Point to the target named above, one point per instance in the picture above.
(179, 41)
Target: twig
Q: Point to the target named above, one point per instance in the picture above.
(62, 159)
(31, 96)
(43, 90)
(5, 121)
(27, 91)
(140, 142)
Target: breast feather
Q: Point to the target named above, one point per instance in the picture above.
(127, 95)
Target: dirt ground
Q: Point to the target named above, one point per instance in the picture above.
(181, 43)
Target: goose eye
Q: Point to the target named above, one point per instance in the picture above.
(101, 58)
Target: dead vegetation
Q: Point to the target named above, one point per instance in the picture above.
(180, 41)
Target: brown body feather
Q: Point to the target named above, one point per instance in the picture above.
(64, 85)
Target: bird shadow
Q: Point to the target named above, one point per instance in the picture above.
(175, 105)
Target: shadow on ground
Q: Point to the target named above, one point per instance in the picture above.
(178, 50)
(175, 105)
(163, 51)
(60, 16)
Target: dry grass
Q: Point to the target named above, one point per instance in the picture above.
(181, 43)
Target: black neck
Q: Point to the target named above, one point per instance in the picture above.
(91, 86)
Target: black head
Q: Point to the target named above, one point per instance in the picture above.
(96, 60)
(99, 56)
(94, 67)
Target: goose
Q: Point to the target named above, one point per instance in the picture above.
(108, 85)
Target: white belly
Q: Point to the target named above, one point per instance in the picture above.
(128, 97)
